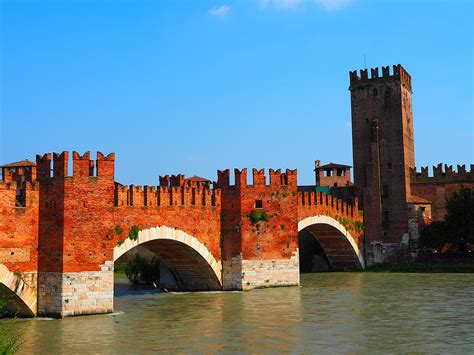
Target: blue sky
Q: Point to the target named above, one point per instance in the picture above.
(195, 86)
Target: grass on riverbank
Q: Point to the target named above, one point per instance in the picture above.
(431, 266)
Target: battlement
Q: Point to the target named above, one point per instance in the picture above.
(276, 178)
(165, 196)
(318, 200)
(83, 166)
(448, 174)
(398, 74)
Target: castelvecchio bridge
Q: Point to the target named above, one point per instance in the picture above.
(61, 231)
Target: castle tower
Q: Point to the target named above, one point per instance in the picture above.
(259, 227)
(383, 152)
(75, 244)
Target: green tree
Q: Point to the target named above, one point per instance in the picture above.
(460, 218)
(143, 271)
(458, 226)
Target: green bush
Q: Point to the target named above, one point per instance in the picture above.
(118, 230)
(142, 271)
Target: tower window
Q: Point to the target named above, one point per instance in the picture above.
(258, 204)
(375, 92)
(389, 166)
(328, 172)
(384, 190)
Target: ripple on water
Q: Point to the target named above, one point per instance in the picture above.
(343, 312)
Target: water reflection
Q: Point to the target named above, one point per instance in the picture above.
(343, 312)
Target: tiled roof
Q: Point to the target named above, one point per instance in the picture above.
(17, 164)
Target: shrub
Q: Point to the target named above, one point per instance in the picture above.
(118, 230)
(142, 271)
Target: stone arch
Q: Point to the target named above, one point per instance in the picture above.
(167, 242)
(329, 231)
(25, 296)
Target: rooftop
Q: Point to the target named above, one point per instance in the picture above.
(332, 165)
(198, 179)
(18, 164)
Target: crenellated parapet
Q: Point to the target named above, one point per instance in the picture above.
(51, 166)
(322, 203)
(165, 196)
(442, 173)
(398, 74)
(275, 179)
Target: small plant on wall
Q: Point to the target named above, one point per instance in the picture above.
(257, 216)
(133, 233)
(118, 230)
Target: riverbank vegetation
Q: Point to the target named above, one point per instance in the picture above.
(452, 264)
(9, 334)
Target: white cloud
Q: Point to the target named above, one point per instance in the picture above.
(328, 5)
(219, 11)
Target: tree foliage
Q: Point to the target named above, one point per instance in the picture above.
(143, 271)
(458, 226)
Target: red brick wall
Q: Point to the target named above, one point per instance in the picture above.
(317, 203)
(437, 193)
(275, 239)
(19, 228)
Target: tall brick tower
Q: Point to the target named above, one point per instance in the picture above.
(383, 152)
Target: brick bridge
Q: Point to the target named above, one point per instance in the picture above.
(61, 232)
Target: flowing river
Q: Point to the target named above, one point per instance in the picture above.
(330, 312)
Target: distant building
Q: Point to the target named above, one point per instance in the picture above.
(332, 175)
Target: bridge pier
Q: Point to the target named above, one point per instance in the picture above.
(76, 293)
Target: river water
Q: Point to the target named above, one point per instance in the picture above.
(330, 312)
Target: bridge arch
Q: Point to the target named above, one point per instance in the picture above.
(192, 263)
(339, 245)
(24, 297)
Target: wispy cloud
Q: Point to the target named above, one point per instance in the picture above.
(219, 11)
(328, 5)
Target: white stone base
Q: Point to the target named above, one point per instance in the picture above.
(76, 293)
(249, 274)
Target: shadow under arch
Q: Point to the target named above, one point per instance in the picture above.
(23, 298)
(339, 246)
(191, 263)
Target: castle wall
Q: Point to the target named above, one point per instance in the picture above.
(440, 186)
(19, 231)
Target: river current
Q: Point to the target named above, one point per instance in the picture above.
(330, 312)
